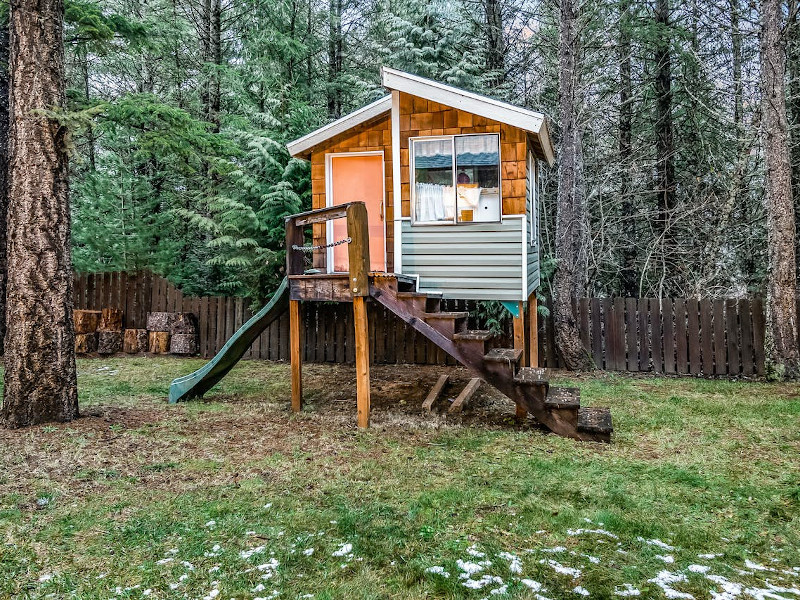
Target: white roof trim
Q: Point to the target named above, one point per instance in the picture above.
(362, 115)
(528, 120)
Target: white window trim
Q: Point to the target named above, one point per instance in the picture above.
(413, 187)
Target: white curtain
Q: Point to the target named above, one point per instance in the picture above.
(434, 202)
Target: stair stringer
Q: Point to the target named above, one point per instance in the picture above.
(502, 380)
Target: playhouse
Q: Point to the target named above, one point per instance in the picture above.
(427, 194)
(450, 180)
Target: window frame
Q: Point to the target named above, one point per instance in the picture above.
(413, 186)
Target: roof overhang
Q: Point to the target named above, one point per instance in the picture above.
(301, 146)
(527, 120)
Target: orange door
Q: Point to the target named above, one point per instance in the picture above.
(359, 178)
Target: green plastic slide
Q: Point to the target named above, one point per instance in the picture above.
(198, 383)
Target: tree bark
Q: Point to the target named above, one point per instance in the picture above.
(665, 148)
(495, 44)
(335, 49)
(570, 211)
(781, 338)
(40, 378)
(629, 281)
(4, 148)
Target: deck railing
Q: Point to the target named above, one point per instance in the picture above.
(357, 242)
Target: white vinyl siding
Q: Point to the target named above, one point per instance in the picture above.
(480, 261)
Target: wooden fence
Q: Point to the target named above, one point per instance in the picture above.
(686, 336)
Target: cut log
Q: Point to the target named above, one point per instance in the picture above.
(85, 343)
(111, 320)
(142, 340)
(159, 342)
(184, 323)
(183, 343)
(135, 340)
(160, 321)
(109, 342)
(86, 321)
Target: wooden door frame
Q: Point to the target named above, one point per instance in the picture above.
(329, 200)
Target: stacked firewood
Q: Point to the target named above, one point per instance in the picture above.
(176, 333)
(101, 331)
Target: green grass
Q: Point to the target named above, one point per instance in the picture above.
(137, 495)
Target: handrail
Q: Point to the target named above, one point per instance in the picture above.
(358, 247)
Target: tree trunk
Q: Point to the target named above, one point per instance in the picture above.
(215, 54)
(629, 281)
(793, 109)
(40, 379)
(334, 59)
(570, 210)
(781, 342)
(4, 124)
(495, 45)
(665, 149)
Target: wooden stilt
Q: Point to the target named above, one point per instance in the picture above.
(295, 355)
(362, 359)
(533, 330)
(519, 344)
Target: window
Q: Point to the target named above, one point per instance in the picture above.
(456, 179)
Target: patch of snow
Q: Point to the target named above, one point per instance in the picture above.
(268, 505)
(164, 561)
(259, 588)
(531, 584)
(343, 550)
(668, 558)
(45, 577)
(665, 579)
(476, 584)
(709, 556)
(248, 553)
(214, 569)
(594, 531)
(172, 551)
(555, 550)
(655, 542)
(730, 589)
(468, 567)
(188, 565)
(473, 551)
(755, 566)
(699, 568)
(501, 590)
(211, 523)
(147, 592)
(215, 551)
(592, 559)
(437, 570)
(627, 590)
(308, 551)
(581, 590)
(514, 562)
(559, 568)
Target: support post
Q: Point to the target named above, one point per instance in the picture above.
(519, 344)
(362, 360)
(295, 356)
(533, 330)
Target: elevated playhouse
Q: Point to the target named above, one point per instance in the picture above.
(429, 193)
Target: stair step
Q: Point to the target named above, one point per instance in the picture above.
(504, 355)
(558, 397)
(595, 420)
(446, 315)
(531, 375)
(474, 334)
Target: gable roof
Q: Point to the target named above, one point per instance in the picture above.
(535, 123)
(347, 122)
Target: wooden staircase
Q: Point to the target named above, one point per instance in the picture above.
(559, 409)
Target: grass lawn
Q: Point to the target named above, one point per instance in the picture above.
(235, 497)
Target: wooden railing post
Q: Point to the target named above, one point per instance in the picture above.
(295, 264)
(295, 355)
(358, 249)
